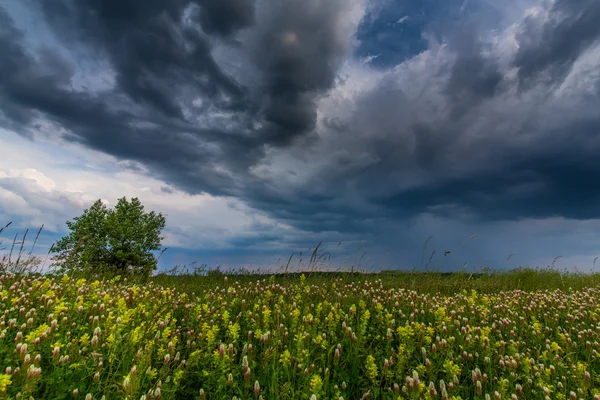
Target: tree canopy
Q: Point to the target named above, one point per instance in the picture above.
(118, 240)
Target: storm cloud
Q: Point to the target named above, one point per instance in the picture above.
(492, 119)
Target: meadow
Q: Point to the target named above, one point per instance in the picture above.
(524, 334)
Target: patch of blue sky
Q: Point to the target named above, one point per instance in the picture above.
(400, 30)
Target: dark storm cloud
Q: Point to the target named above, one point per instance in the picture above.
(224, 17)
(299, 46)
(447, 132)
(548, 49)
(473, 78)
(146, 126)
(33, 87)
(153, 54)
(161, 56)
(296, 47)
(452, 133)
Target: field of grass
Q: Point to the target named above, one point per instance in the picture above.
(525, 334)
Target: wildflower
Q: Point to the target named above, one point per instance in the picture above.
(315, 383)
(416, 379)
(573, 396)
(256, 388)
(371, 367)
(5, 380)
(285, 358)
(432, 390)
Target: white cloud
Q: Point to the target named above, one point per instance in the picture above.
(45, 182)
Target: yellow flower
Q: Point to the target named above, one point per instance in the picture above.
(405, 332)
(4, 382)
(151, 372)
(440, 313)
(266, 317)
(121, 304)
(234, 331)
(110, 339)
(315, 383)
(135, 335)
(285, 358)
(59, 308)
(36, 333)
(451, 369)
(371, 367)
(84, 340)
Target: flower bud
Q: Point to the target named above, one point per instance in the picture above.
(256, 388)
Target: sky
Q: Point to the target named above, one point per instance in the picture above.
(260, 128)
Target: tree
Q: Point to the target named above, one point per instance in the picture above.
(119, 240)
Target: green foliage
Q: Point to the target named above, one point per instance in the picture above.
(113, 241)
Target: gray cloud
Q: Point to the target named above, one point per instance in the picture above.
(467, 129)
(299, 46)
(225, 17)
(550, 45)
(450, 132)
(473, 77)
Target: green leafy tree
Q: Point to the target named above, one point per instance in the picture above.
(104, 240)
